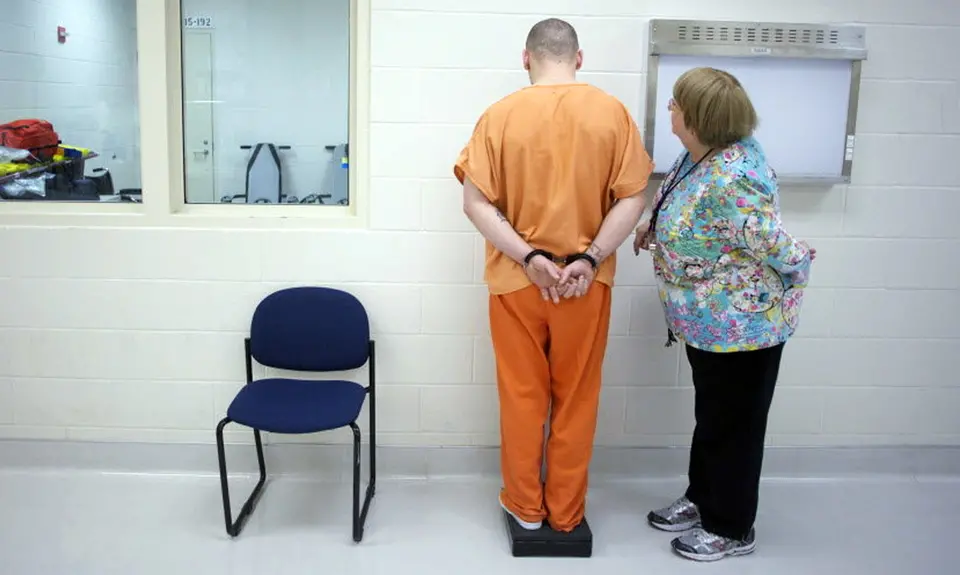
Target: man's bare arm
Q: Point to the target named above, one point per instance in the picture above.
(492, 224)
(617, 226)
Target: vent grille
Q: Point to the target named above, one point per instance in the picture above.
(762, 35)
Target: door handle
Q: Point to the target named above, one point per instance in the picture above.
(201, 155)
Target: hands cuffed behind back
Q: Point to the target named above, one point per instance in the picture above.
(545, 275)
(576, 278)
(573, 280)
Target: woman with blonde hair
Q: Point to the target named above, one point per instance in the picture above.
(731, 281)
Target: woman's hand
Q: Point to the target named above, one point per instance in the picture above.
(813, 251)
(641, 237)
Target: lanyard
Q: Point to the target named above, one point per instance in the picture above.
(674, 182)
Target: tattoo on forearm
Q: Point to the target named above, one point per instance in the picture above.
(595, 252)
(500, 216)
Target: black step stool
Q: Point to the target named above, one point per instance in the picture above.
(545, 542)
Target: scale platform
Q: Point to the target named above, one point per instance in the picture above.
(545, 542)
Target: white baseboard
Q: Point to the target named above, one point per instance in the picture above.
(333, 461)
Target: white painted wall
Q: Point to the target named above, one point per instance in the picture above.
(87, 87)
(136, 334)
(281, 73)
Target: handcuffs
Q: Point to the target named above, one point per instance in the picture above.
(558, 260)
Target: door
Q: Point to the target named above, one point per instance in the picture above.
(198, 148)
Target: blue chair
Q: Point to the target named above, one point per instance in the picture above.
(305, 329)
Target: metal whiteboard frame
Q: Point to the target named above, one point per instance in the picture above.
(759, 40)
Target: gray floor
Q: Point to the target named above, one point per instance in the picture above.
(80, 523)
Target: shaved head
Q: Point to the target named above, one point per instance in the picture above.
(553, 39)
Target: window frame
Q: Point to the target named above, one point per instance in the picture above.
(159, 82)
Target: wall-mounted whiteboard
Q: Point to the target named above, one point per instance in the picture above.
(803, 81)
(801, 106)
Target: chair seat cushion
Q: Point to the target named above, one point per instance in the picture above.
(297, 405)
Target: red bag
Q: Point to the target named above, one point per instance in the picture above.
(36, 136)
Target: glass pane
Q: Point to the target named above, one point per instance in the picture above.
(266, 101)
(69, 125)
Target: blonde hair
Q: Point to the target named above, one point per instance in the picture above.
(715, 106)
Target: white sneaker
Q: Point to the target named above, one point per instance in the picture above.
(528, 525)
(701, 545)
(681, 515)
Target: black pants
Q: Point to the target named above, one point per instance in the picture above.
(733, 395)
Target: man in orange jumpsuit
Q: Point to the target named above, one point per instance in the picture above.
(553, 177)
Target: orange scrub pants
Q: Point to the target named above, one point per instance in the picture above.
(549, 358)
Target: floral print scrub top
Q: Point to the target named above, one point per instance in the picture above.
(730, 278)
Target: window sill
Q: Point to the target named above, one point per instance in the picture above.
(213, 216)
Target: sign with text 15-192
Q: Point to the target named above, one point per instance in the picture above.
(197, 22)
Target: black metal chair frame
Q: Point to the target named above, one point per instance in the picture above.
(359, 513)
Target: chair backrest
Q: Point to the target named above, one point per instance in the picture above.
(264, 175)
(310, 329)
